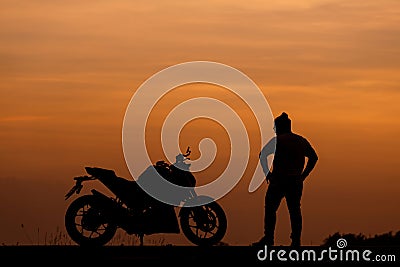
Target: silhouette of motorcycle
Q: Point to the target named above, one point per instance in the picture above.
(93, 219)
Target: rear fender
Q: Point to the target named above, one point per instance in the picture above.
(102, 200)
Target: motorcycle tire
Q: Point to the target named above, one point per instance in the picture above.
(85, 224)
(204, 225)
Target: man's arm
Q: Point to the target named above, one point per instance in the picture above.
(267, 150)
(311, 162)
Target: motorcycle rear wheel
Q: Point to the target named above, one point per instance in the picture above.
(85, 223)
(205, 225)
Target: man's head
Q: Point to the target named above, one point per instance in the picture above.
(283, 124)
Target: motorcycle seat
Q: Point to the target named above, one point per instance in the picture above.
(100, 172)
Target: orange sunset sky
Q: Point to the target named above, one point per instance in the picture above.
(68, 70)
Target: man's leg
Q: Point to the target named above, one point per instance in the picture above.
(293, 199)
(273, 199)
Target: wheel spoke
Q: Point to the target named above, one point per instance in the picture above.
(97, 232)
(80, 213)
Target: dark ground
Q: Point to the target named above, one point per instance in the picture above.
(171, 256)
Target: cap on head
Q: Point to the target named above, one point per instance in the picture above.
(283, 124)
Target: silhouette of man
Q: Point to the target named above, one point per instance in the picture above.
(286, 177)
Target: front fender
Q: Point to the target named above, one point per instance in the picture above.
(197, 201)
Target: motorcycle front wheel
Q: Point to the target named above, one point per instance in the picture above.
(85, 223)
(204, 225)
